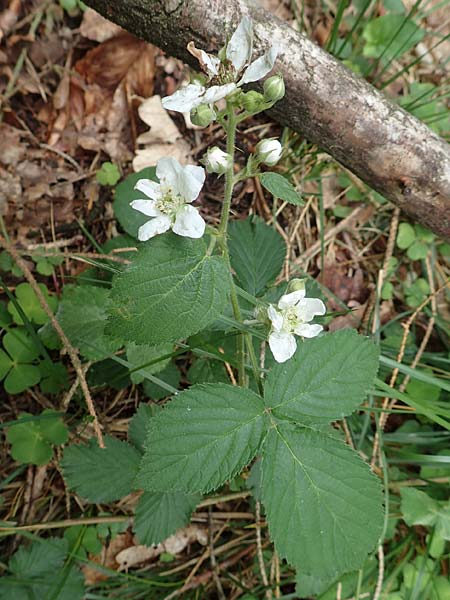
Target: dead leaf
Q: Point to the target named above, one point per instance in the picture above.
(107, 558)
(96, 28)
(12, 150)
(175, 544)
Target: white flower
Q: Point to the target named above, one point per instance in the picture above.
(291, 317)
(226, 76)
(169, 200)
(217, 161)
(269, 151)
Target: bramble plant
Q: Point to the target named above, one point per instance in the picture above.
(189, 280)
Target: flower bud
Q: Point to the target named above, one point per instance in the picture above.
(274, 88)
(269, 151)
(296, 285)
(217, 161)
(203, 115)
(253, 102)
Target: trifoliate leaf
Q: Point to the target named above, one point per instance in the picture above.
(52, 427)
(201, 438)
(159, 515)
(390, 36)
(44, 267)
(82, 316)
(28, 445)
(323, 505)
(22, 350)
(20, 345)
(146, 357)
(125, 193)
(101, 474)
(419, 508)
(108, 174)
(280, 187)
(171, 290)
(257, 253)
(30, 304)
(418, 250)
(327, 378)
(405, 236)
(137, 430)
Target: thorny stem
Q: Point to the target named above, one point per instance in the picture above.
(243, 339)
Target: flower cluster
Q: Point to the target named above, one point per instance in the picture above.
(225, 75)
(292, 316)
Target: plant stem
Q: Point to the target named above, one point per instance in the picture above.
(230, 130)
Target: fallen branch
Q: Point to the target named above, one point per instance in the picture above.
(389, 149)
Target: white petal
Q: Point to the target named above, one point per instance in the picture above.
(189, 223)
(193, 180)
(308, 308)
(217, 92)
(240, 46)
(260, 67)
(308, 331)
(291, 299)
(149, 188)
(185, 99)
(283, 346)
(153, 227)
(209, 62)
(146, 207)
(275, 317)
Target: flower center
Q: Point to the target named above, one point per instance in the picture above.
(226, 74)
(169, 203)
(290, 319)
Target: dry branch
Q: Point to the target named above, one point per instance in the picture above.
(389, 149)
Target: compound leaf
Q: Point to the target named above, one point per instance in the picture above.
(101, 474)
(257, 253)
(203, 437)
(171, 290)
(159, 515)
(324, 506)
(327, 378)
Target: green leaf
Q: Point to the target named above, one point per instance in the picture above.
(280, 187)
(390, 36)
(21, 377)
(137, 430)
(201, 438)
(322, 502)
(159, 515)
(257, 253)
(125, 193)
(171, 290)
(54, 377)
(108, 174)
(101, 475)
(170, 375)
(405, 236)
(30, 305)
(27, 443)
(420, 509)
(418, 250)
(327, 378)
(20, 345)
(138, 355)
(206, 370)
(40, 558)
(52, 427)
(44, 267)
(82, 316)
(5, 364)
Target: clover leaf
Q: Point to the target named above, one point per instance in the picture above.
(30, 304)
(16, 361)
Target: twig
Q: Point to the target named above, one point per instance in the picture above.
(380, 579)
(212, 558)
(57, 327)
(262, 567)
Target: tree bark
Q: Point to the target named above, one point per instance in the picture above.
(393, 152)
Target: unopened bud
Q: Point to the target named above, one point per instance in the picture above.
(296, 285)
(217, 161)
(253, 102)
(203, 115)
(269, 151)
(274, 88)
